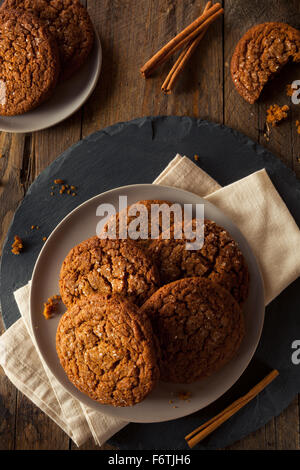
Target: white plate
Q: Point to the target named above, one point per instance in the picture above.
(67, 98)
(81, 224)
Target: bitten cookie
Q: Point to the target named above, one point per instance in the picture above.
(127, 220)
(107, 266)
(220, 259)
(69, 23)
(106, 349)
(260, 53)
(199, 327)
(29, 63)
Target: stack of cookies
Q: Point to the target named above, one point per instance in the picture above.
(140, 310)
(42, 42)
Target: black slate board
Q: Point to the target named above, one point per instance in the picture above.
(136, 152)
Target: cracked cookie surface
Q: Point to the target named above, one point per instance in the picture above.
(128, 220)
(261, 53)
(69, 23)
(199, 327)
(107, 266)
(106, 349)
(29, 63)
(220, 259)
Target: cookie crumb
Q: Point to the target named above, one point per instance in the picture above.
(289, 90)
(184, 395)
(32, 227)
(276, 114)
(17, 245)
(65, 188)
(298, 126)
(44, 239)
(50, 306)
(196, 158)
(170, 402)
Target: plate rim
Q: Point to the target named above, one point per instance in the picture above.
(99, 55)
(97, 405)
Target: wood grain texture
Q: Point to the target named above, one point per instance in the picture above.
(8, 400)
(34, 430)
(131, 31)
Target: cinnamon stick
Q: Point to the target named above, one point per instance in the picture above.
(183, 58)
(184, 37)
(207, 428)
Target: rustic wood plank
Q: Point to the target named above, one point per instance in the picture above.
(287, 428)
(8, 399)
(50, 143)
(129, 40)
(255, 441)
(34, 430)
(11, 194)
(11, 178)
(90, 445)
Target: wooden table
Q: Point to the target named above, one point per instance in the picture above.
(131, 31)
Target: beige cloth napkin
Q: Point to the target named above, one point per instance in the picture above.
(252, 203)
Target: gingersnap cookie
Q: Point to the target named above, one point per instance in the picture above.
(69, 23)
(29, 63)
(219, 259)
(105, 267)
(141, 215)
(106, 349)
(261, 53)
(199, 327)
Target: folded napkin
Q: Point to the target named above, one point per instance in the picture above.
(257, 209)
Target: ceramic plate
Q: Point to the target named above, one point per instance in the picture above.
(67, 98)
(81, 224)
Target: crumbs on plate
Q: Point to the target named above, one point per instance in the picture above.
(185, 396)
(50, 306)
(182, 395)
